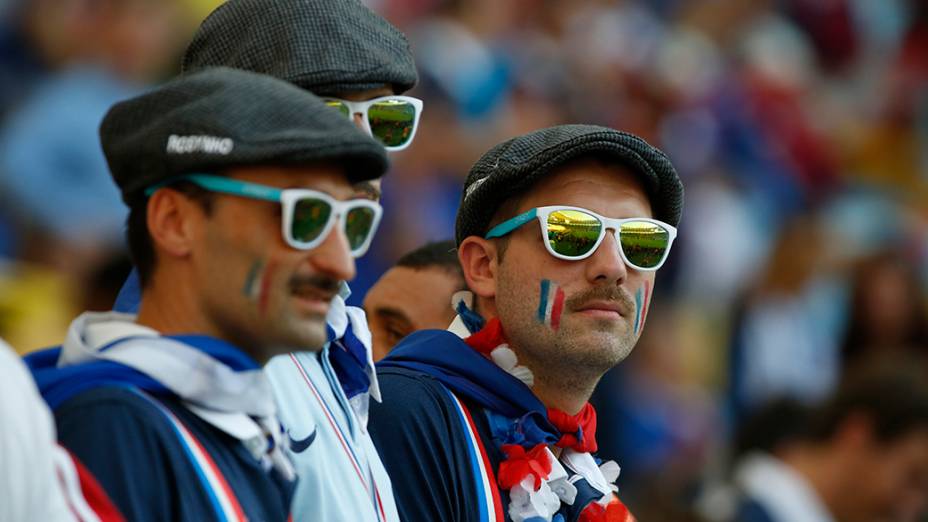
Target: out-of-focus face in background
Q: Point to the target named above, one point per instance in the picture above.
(136, 39)
(408, 299)
(890, 480)
(414, 295)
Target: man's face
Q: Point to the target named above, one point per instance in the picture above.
(604, 301)
(256, 290)
(408, 299)
(891, 481)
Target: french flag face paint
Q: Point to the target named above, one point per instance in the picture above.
(258, 284)
(252, 285)
(642, 299)
(551, 304)
(265, 292)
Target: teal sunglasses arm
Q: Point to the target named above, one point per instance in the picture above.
(226, 186)
(511, 224)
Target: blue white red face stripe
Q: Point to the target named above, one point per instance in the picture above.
(489, 502)
(550, 304)
(343, 439)
(642, 299)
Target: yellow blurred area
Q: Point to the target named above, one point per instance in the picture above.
(36, 306)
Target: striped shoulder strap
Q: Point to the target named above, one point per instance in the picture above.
(489, 502)
(224, 502)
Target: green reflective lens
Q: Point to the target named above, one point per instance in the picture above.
(572, 233)
(392, 121)
(339, 106)
(644, 243)
(358, 224)
(309, 218)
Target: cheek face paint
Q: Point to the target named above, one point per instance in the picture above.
(642, 299)
(550, 304)
(266, 280)
(250, 289)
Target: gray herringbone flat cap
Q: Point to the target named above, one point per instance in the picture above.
(324, 46)
(221, 118)
(513, 166)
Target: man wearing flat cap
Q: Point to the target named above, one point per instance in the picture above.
(560, 233)
(361, 65)
(243, 221)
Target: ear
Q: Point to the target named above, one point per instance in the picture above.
(172, 220)
(478, 259)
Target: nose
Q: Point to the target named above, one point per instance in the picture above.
(358, 119)
(333, 256)
(605, 265)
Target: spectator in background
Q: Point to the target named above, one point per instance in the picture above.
(54, 187)
(887, 318)
(863, 457)
(788, 338)
(54, 175)
(39, 480)
(416, 294)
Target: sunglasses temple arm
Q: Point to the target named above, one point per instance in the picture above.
(509, 225)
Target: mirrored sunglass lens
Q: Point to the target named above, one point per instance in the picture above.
(339, 106)
(309, 219)
(644, 243)
(358, 224)
(392, 121)
(572, 232)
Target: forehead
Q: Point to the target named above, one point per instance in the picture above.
(607, 188)
(324, 177)
(418, 292)
(367, 94)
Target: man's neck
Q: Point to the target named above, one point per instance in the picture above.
(170, 313)
(557, 388)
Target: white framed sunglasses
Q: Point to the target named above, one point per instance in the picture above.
(574, 233)
(393, 120)
(308, 215)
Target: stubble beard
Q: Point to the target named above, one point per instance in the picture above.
(576, 355)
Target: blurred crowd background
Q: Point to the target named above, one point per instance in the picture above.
(799, 127)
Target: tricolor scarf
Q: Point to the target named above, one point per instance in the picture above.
(522, 426)
(215, 380)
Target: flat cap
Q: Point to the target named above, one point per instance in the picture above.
(221, 118)
(512, 167)
(324, 46)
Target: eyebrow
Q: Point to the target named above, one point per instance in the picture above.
(395, 314)
(367, 189)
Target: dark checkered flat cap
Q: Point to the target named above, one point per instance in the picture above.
(221, 118)
(324, 46)
(512, 167)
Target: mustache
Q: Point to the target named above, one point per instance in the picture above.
(319, 283)
(602, 293)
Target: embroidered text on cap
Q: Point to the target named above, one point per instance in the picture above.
(208, 144)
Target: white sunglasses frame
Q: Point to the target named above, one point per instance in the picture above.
(542, 214)
(362, 107)
(288, 199)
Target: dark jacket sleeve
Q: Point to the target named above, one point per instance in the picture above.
(422, 443)
(129, 448)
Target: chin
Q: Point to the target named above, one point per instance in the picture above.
(304, 335)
